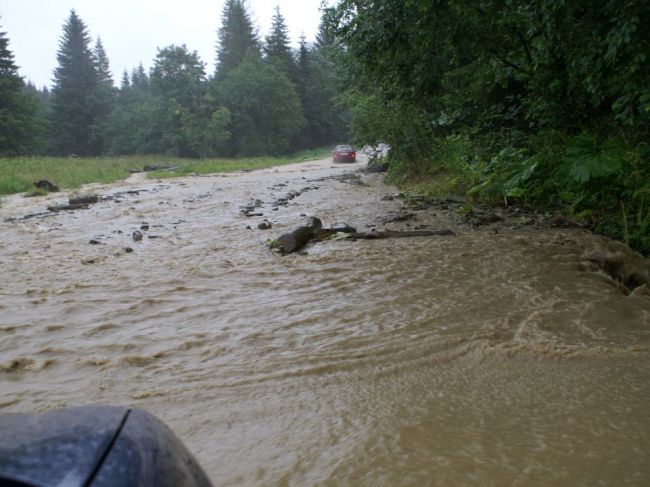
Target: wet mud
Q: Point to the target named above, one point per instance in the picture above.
(507, 354)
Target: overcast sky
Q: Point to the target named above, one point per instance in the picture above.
(131, 30)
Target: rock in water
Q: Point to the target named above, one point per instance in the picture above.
(377, 167)
(342, 227)
(137, 235)
(619, 261)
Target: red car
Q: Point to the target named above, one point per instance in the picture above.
(344, 153)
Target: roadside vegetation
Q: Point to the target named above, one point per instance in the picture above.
(539, 103)
(211, 166)
(18, 175)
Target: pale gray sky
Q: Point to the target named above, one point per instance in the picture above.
(131, 30)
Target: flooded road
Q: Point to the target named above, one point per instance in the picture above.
(493, 357)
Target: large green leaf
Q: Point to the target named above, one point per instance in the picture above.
(589, 159)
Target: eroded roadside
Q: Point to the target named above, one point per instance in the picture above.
(505, 352)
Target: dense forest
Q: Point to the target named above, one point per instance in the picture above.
(544, 102)
(263, 99)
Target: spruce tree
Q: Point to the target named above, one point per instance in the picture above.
(74, 92)
(7, 67)
(126, 81)
(140, 80)
(303, 56)
(104, 98)
(277, 49)
(20, 126)
(101, 64)
(133, 124)
(44, 95)
(302, 69)
(237, 38)
(325, 37)
(302, 81)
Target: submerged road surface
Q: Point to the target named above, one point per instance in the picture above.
(493, 357)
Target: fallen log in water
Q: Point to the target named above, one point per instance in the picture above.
(79, 206)
(298, 238)
(79, 202)
(83, 199)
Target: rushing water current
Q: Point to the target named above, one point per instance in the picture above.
(492, 357)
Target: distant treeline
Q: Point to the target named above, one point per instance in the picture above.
(263, 99)
(544, 102)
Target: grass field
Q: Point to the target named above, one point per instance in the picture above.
(18, 175)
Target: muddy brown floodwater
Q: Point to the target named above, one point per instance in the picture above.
(477, 359)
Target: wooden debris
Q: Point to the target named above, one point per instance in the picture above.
(296, 239)
(80, 206)
(84, 199)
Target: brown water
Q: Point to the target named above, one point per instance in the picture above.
(479, 359)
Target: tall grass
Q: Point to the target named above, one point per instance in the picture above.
(210, 166)
(18, 175)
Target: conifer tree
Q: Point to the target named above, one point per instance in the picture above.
(7, 67)
(104, 98)
(303, 57)
(101, 64)
(302, 68)
(19, 124)
(74, 91)
(140, 79)
(325, 37)
(237, 38)
(126, 81)
(277, 49)
(132, 126)
(326, 119)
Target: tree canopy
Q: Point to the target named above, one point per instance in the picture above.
(237, 37)
(264, 97)
(277, 49)
(75, 92)
(265, 108)
(20, 126)
(543, 101)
